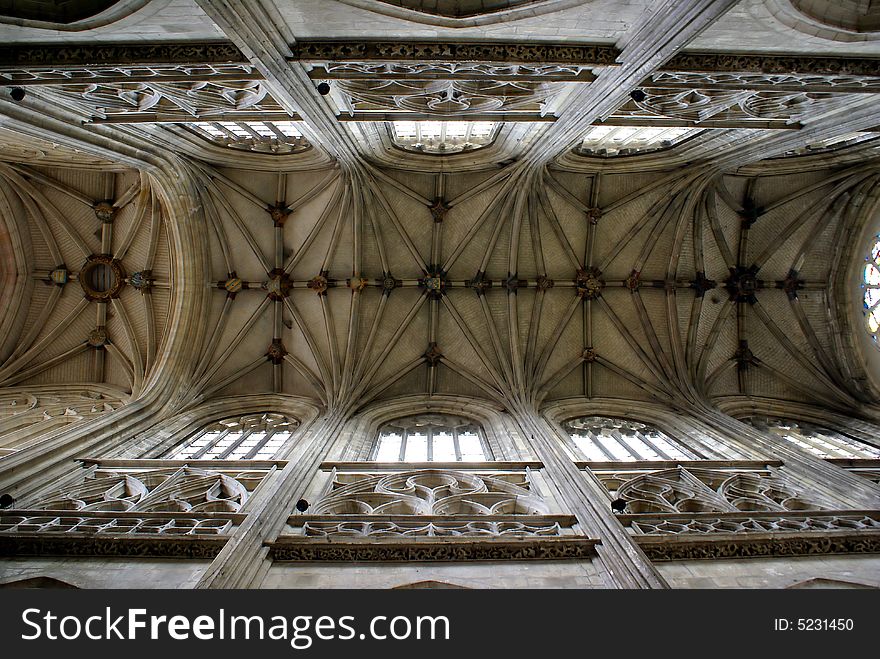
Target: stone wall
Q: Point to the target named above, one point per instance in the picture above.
(105, 572)
(847, 571)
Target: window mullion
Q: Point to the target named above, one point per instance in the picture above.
(256, 449)
(201, 452)
(235, 444)
(594, 436)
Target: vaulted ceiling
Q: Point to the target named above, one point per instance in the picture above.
(341, 268)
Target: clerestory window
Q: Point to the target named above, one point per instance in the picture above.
(443, 137)
(431, 438)
(821, 442)
(606, 439)
(250, 437)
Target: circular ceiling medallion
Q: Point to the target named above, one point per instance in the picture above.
(101, 277)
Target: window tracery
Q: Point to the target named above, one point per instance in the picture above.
(822, 442)
(604, 439)
(25, 416)
(279, 137)
(630, 140)
(443, 137)
(249, 437)
(431, 438)
(871, 286)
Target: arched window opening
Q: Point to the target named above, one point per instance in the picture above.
(871, 287)
(249, 437)
(821, 442)
(605, 439)
(275, 137)
(443, 137)
(431, 438)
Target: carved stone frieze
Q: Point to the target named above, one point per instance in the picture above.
(433, 549)
(194, 547)
(517, 53)
(774, 64)
(664, 548)
(121, 54)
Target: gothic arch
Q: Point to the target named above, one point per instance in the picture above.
(359, 434)
(467, 14)
(681, 427)
(38, 582)
(166, 434)
(70, 16)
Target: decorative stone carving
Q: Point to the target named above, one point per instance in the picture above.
(755, 524)
(544, 283)
(513, 283)
(439, 209)
(278, 285)
(98, 338)
(588, 283)
(357, 284)
(120, 54)
(791, 285)
(59, 276)
(354, 70)
(101, 277)
(446, 97)
(432, 51)
(431, 492)
(279, 213)
(232, 285)
(742, 284)
(141, 281)
(160, 490)
(434, 549)
(693, 489)
(698, 105)
(480, 283)
(633, 281)
(696, 547)
(772, 64)
(745, 80)
(196, 546)
(363, 529)
(593, 215)
(320, 283)
(114, 525)
(388, 283)
(276, 351)
(434, 282)
(744, 357)
(433, 355)
(702, 284)
(105, 211)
